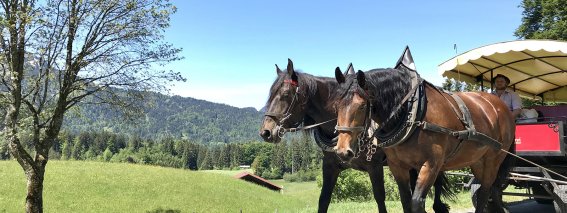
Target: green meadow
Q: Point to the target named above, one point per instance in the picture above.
(79, 186)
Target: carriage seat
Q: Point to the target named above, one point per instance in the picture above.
(552, 113)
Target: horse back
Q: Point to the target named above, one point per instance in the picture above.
(488, 113)
(490, 116)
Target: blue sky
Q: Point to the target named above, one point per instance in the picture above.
(230, 47)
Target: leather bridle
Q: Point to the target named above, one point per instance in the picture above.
(281, 118)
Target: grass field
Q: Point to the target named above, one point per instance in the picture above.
(78, 186)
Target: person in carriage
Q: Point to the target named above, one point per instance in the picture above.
(510, 98)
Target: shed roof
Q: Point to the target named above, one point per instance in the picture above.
(257, 180)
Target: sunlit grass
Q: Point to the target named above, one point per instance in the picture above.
(77, 186)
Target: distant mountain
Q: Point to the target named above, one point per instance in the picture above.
(193, 119)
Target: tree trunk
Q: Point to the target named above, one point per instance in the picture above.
(34, 198)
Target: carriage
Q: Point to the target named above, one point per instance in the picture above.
(537, 70)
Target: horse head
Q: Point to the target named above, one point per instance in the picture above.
(352, 106)
(285, 106)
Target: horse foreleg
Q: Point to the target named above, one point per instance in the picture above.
(440, 190)
(425, 180)
(331, 173)
(376, 173)
(402, 177)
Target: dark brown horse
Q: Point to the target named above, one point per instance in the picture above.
(299, 98)
(382, 95)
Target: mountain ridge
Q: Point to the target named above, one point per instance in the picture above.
(185, 117)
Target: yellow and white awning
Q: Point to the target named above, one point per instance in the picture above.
(535, 67)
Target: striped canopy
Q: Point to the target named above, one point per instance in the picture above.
(536, 68)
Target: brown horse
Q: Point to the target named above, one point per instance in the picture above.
(298, 98)
(386, 97)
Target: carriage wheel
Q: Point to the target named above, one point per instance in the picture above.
(475, 185)
(490, 206)
(561, 191)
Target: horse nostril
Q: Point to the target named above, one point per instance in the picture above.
(346, 155)
(265, 134)
(350, 153)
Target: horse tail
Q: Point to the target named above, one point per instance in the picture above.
(445, 187)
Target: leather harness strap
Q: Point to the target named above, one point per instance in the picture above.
(470, 132)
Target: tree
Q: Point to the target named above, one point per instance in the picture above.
(78, 148)
(57, 53)
(66, 150)
(134, 142)
(543, 20)
(295, 153)
(207, 164)
(202, 154)
(235, 155)
(224, 157)
(278, 158)
(453, 85)
(261, 165)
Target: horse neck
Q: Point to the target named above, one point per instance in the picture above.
(388, 94)
(317, 109)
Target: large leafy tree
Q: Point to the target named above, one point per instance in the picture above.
(57, 53)
(543, 19)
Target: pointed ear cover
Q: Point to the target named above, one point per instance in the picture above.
(350, 69)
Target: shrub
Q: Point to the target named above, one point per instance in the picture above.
(107, 155)
(355, 185)
(301, 176)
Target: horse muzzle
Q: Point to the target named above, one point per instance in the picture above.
(346, 155)
(270, 135)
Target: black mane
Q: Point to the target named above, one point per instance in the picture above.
(385, 87)
(307, 86)
(310, 90)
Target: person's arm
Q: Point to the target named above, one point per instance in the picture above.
(516, 112)
(516, 105)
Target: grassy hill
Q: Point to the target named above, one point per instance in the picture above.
(77, 186)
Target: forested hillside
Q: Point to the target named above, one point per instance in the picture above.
(172, 116)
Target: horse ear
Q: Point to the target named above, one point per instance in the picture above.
(278, 71)
(339, 75)
(350, 69)
(361, 78)
(290, 70)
